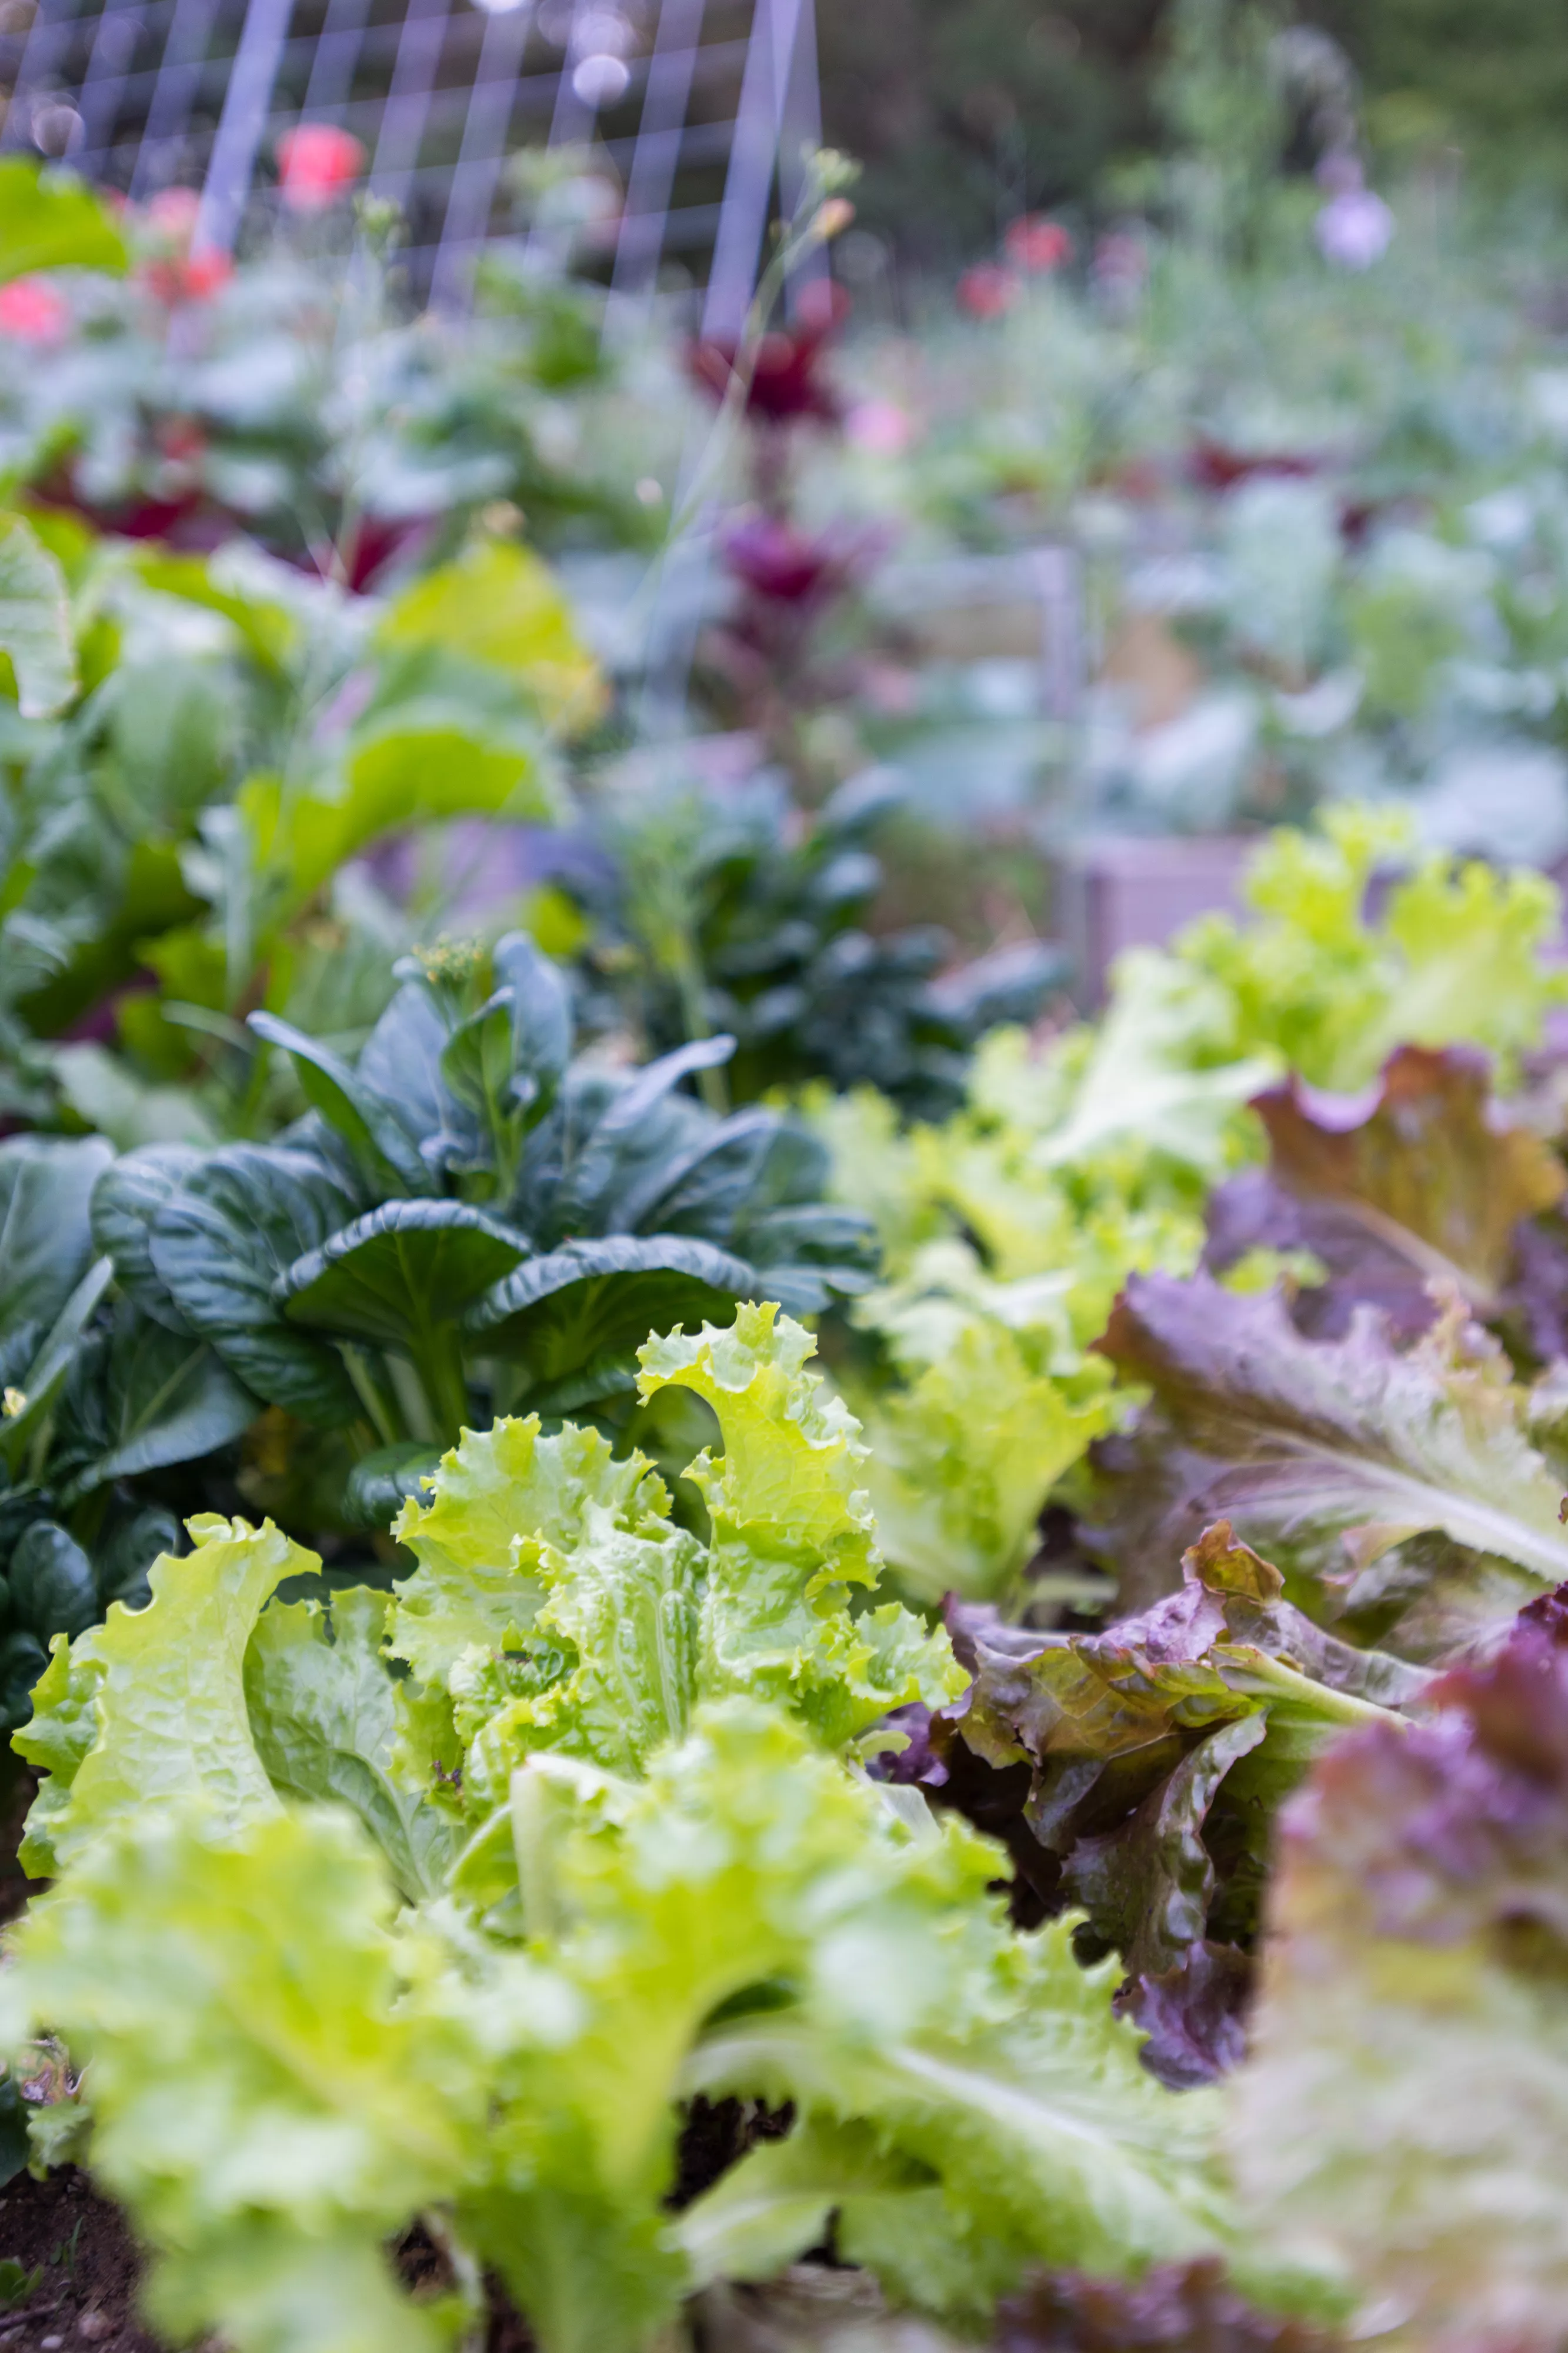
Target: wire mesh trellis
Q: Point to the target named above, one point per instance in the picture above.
(699, 109)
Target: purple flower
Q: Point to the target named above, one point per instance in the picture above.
(1354, 229)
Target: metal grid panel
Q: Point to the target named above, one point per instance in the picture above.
(690, 103)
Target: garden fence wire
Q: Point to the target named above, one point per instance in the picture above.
(700, 109)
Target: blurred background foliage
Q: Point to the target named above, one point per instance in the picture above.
(967, 115)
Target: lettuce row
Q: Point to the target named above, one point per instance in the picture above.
(442, 1904)
(1089, 1159)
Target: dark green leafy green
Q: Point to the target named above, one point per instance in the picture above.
(468, 1214)
(736, 917)
(101, 1402)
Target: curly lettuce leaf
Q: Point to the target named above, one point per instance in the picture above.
(1458, 955)
(748, 1859)
(62, 1730)
(792, 1531)
(271, 2092)
(1159, 1075)
(1405, 2104)
(620, 1626)
(751, 1919)
(322, 1715)
(167, 1693)
(1029, 2132)
(962, 1461)
(1329, 1455)
(496, 1496)
(1426, 1177)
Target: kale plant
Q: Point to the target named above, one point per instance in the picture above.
(746, 918)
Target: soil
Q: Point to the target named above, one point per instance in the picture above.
(83, 2299)
(78, 2244)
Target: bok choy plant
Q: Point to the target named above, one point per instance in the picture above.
(467, 1222)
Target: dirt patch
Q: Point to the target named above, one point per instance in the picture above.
(83, 2297)
(83, 2300)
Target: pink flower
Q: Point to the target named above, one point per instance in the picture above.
(174, 271)
(33, 312)
(172, 213)
(315, 163)
(881, 427)
(988, 291)
(1036, 245)
(1354, 229)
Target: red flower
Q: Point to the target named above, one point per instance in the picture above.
(33, 312)
(787, 382)
(988, 291)
(1214, 466)
(1036, 245)
(315, 163)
